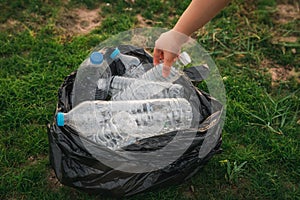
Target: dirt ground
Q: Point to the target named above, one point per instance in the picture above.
(79, 20)
(284, 14)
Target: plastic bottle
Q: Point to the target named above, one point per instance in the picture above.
(116, 124)
(93, 69)
(123, 88)
(130, 62)
(155, 73)
(119, 83)
(136, 72)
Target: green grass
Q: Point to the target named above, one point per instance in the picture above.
(261, 140)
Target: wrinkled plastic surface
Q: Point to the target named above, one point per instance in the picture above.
(74, 166)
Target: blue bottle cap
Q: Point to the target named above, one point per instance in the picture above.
(60, 119)
(114, 53)
(96, 58)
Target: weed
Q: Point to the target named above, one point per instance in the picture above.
(274, 114)
(233, 170)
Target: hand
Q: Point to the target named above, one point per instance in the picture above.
(167, 49)
(168, 59)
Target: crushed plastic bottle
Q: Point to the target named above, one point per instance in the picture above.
(138, 71)
(155, 73)
(116, 124)
(88, 74)
(123, 88)
(133, 66)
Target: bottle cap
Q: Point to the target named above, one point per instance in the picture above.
(60, 119)
(96, 58)
(114, 53)
(185, 58)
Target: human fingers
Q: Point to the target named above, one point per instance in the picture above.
(169, 59)
(157, 56)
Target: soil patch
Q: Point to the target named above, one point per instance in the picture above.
(280, 73)
(290, 39)
(53, 182)
(79, 20)
(11, 25)
(287, 12)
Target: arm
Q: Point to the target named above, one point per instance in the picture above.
(200, 12)
(197, 14)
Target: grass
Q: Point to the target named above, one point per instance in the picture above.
(260, 158)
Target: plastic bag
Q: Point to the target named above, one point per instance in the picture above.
(76, 167)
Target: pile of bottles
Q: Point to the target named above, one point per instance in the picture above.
(116, 111)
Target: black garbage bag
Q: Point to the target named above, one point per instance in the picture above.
(76, 167)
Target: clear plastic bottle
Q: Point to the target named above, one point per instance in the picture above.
(131, 63)
(123, 88)
(116, 124)
(155, 73)
(119, 83)
(138, 71)
(86, 83)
